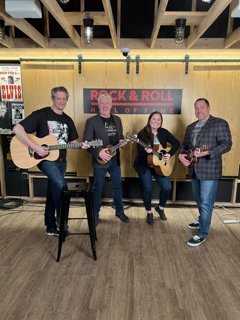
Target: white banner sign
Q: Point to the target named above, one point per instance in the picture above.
(11, 83)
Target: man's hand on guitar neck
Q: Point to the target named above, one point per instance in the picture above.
(122, 144)
(199, 154)
(85, 145)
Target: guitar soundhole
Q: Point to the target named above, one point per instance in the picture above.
(37, 156)
(160, 156)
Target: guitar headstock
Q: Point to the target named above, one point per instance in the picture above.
(132, 137)
(95, 143)
(204, 148)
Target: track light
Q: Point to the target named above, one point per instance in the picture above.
(2, 31)
(179, 30)
(88, 32)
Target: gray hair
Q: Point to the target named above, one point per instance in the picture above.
(55, 90)
(105, 95)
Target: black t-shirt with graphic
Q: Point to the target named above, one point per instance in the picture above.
(111, 131)
(46, 122)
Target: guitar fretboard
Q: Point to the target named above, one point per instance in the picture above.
(116, 146)
(146, 146)
(65, 146)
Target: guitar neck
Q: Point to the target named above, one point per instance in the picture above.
(65, 146)
(146, 146)
(116, 146)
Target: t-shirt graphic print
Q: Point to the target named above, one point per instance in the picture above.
(59, 130)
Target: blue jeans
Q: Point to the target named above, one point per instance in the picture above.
(204, 193)
(163, 182)
(55, 171)
(99, 176)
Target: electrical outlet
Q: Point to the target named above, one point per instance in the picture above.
(24, 175)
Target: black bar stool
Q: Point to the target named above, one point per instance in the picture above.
(79, 190)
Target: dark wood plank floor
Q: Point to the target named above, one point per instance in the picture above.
(142, 272)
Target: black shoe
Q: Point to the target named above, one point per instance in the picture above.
(195, 241)
(66, 227)
(122, 217)
(150, 219)
(161, 213)
(194, 225)
(52, 231)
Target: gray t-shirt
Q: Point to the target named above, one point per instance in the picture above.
(196, 131)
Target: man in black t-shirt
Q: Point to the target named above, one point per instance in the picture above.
(108, 128)
(51, 121)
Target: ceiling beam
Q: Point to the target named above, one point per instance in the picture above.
(22, 25)
(56, 11)
(6, 42)
(230, 21)
(158, 22)
(232, 38)
(109, 14)
(118, 22)
(76, 18)
(82, 8)
(193, 18)
(215, 10)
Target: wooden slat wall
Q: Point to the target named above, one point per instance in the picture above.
(218, 84)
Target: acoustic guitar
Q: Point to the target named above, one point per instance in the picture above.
(190, 154)
(24, 157)
(156, 157)
(111, 150)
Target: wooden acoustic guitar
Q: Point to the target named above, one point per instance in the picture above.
(190, 154)
(156, 157)
(111, 150)
(24, 157)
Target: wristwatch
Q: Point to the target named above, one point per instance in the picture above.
(208, 155)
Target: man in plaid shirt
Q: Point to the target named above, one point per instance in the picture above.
(205, 173)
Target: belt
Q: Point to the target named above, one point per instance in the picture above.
(61, 159)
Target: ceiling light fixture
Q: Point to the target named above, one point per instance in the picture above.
(2, 31)
(88, 30)
(66, 1)
(179, 30)
(208, 1)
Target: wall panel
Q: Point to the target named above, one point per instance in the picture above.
(219, 84)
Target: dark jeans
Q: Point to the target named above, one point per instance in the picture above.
(163, 182)
(99, 176)
(55, 171)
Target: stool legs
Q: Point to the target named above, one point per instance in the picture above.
(91, 223)
(65, 200)
(64, 211)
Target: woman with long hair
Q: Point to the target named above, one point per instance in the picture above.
(152, 134)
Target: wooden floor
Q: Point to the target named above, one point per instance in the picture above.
(142, 272)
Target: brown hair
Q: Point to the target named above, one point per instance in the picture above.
(147, 131)
(205, 100)
(55, 90)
